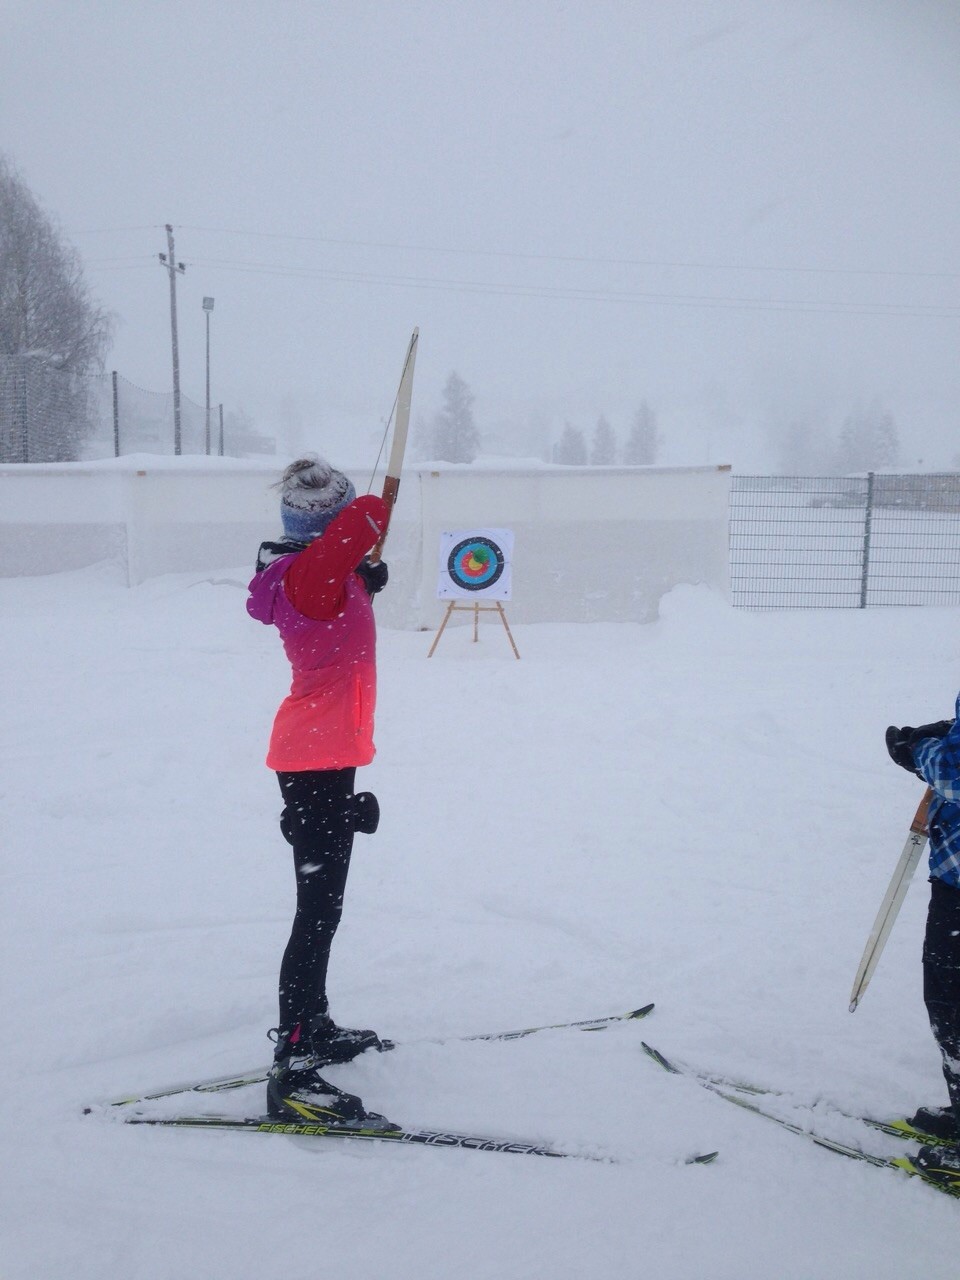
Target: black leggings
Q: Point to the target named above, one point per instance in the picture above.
(318, 821)
(941, 980)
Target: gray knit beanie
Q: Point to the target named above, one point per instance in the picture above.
(311, 494)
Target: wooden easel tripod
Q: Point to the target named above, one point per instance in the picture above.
(476, 608)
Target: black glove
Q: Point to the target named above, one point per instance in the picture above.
(939, 729)
(898, 744)
(373, 576)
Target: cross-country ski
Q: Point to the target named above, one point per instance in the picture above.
(388, 1134)
(750, 1098)
(240, 1080)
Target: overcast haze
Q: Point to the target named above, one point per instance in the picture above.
(745, 212)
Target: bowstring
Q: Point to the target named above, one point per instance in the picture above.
(393, 409)
(386, 432)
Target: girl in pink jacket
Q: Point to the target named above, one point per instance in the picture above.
(315, 586)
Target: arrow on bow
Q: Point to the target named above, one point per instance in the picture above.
(401, 408)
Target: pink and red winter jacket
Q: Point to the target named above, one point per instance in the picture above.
(325, 619)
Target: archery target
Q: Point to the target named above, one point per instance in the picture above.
(475, 563)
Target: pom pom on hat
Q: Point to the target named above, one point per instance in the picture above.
(311, 494)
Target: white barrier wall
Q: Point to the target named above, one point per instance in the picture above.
(155, 515)
(592, 544)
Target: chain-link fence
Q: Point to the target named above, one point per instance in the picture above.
(844, 542)
(49, 414)
(45, 411)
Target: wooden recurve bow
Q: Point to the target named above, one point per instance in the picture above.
(391, 484)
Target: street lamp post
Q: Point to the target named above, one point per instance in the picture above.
(207, 308)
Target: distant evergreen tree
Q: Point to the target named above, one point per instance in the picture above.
(603, 450)
(455, 434)
(643, 443)
(571, 448)
(868, 441)
(803, 451)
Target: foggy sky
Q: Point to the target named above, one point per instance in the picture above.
(744, 212)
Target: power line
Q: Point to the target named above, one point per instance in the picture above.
(569, 293)
(141, 258)
(109, 231)
(577, 258)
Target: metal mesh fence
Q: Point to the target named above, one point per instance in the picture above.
(45, 412)
(844, 542)
(141, 421)
(48, 414)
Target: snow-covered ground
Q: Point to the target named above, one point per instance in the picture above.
(698, 812)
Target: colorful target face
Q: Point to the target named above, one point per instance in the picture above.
(475, 563)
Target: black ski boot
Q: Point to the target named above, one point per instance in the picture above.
(940, 1165)
(297, 1092)
(937, 1122)
(331, 1044)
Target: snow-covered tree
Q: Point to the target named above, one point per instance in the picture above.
(643, 442)
(455, 434)
(868, 441)
(51, 331)
(603, 448)
(571, 448)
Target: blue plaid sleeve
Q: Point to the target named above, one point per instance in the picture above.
(938, 760)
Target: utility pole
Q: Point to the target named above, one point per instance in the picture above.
(168, 260)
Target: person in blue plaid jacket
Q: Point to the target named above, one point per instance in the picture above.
(932, 752)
